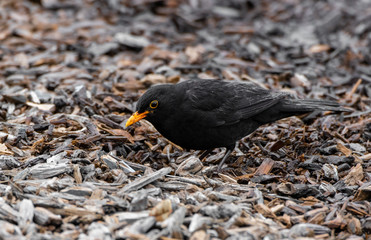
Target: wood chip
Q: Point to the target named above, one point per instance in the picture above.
(265, 167)
(145, 180)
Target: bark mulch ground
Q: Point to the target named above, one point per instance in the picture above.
(71, 72)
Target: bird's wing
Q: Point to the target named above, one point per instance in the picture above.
(226, 103)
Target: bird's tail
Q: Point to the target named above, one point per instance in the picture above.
(310, 105)
(293, 107)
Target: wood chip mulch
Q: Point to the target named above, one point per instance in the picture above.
(72, 70)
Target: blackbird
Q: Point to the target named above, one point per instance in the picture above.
(204, 114)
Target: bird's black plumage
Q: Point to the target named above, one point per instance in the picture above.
(205, 114)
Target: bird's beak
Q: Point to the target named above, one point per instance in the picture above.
(136, 117)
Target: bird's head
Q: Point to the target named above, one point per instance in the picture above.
(152, 104)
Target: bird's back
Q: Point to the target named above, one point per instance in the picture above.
(215, 113)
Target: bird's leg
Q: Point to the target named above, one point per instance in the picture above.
(205, 153)
(229, 151)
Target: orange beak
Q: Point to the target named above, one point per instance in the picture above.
(136, 117)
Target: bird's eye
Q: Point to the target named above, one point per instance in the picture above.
(153, 104)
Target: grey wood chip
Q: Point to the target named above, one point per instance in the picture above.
(139, 201)
(46, 170)
(4, 188)
(174, 222)
(7, 212)
(172, 185)
(145, 180)
(99, 231)
(114, 162)
(216, 196)
(59, 158)
(128, 166)
(110, 161)
(130, 216)
(9, 231)
(189, 166)
(233, 219)
(198, 221)
(67, 196)
(199, 196)
(26, 212)
(45, 217)
(307, 229)
(131, 40)
(148, 192)
(192, 180)
(142, 226)
(22, 174)
(44, 201)
(8, 162)
(78, 191)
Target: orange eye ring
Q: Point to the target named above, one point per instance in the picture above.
(153, 104)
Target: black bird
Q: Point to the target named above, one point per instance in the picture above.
(204, 114)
